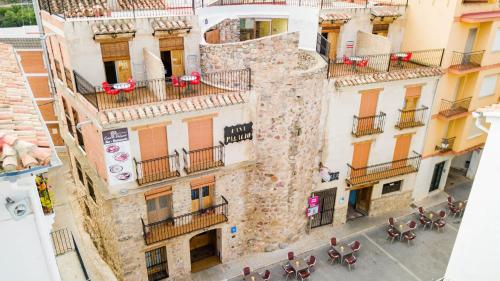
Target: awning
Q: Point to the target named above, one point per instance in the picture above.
(480, 17)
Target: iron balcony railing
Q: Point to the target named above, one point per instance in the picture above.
(322, 46)
(57, 65)
(157, 169)
(157, 90)
(381, 63)
(474, 1)
(411, 118)
(203, 159)
(322, 4)
(452, 108)
(372, 173)
(446, 145)
(184, 224)
(466, 61)
(369, 125)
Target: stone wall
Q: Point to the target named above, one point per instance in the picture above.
(288, 105)
(384, 204)
(229, 30)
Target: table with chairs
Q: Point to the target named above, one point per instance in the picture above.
(186, 82)
(401, 57)
(343, 252)
(119, 89)
(298, 268)
(355, 62)
(248, 275)
(401, 231)
(456, 207)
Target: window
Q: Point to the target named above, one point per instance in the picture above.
(156, 264)
(195, 194)
(391, 187)
(79, 135)
(380, 29)
(69, 123)
(159, 204)
(251, 28)
(496, 41)
(488, 86)
(90, 186)
(79, 171)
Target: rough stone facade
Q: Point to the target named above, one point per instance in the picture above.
(229, 30)
(389, 203)
(285, 128)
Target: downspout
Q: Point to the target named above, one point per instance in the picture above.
(477, 122)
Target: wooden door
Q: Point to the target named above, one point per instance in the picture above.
(153, 145)
(262, 28)
(332, 39)
(177, 59)
(360, 158)
(206, 196)
(202, 192)
(367, 109)
(411, 101)
(363, 199)
(195, 199)
(436, 176)
(200, 140)
(401, 150)
(123, 70)
(213, 36)
(159, 208)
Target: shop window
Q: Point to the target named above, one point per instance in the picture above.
(391, 187)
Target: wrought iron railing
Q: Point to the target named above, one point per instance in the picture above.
(446, 144)
(157, 264)
(57, 65)
(452, 108)
(184, 224)
(474, 1)
(369, 125)
(380, 63)
(61, 241)
(322, 46)
(157, 90)
(203, 159)
(465, 61)
(69, 78)
(322, 4)
(411, 118)
(360, 175)
(157, 169)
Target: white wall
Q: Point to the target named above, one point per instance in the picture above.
(480, 219)
(424, 176)
(26, 246)
(338, 148)
(302, 19)
(474, 163)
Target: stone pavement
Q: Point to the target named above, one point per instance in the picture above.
(425, 260)
(67, 217)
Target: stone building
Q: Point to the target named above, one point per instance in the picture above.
(197, 133)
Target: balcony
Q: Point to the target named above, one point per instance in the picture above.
(383, 63)
(184, 224)
(322, 4)
(203, 159)
(449, 109)
(446, 145)
(465, 62)
(411, 118)
(68, 9)
(369, 125)
(158, 90)
(157, 169)
(374, 173)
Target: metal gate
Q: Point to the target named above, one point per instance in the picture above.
(326, 207)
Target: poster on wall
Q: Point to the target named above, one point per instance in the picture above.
(117, 156)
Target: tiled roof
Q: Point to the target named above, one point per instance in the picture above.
(112, 27)
(169, 108)
(335, 17)
(23, 139)
(360, 79)
(385, 12)
(167, 24)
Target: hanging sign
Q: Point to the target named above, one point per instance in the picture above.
(313, 201)
(312, 211)
(238, 133)
(117, 156)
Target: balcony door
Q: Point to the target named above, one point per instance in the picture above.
(201, 155)
(154, 153)
(202, 193)
(401, 150)
(159, 204)
(469, 45)
(367, 108)
(360, 158)
(116, 59)
(411, 101)
(172, 55)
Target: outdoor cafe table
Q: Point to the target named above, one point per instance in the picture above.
(355, 61)
(298, 265)
(254, 276)
(402, 228)
(460, 205)
(343, 250)
(432, 216)
(121, 87)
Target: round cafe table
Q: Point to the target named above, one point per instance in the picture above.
(188, 79)
(121, 87)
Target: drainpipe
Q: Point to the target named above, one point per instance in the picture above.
(79, 125)
(478, 116)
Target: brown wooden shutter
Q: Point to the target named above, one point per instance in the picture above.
(368, 105)
(402, 147)
(115, 51)
(153, 142)
(361, 154)
(171, 43)
(200, 133)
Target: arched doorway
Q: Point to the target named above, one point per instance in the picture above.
(205, 250)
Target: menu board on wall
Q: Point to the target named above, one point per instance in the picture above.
(117, 156)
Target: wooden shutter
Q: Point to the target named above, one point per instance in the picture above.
(115, 51)
(200, 133)
(171, 43)
(212, 36)
(361, 154)
(368, 104)
(153, 142)
(402, 147)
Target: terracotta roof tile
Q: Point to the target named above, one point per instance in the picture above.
(335, 17)
(112, 27)
(360, 79)
(168, 108)
(165, 24)
(23, 141)
(385, 12)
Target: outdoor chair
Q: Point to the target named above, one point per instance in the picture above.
(291, 256)
(424, 222)
(391, 234)
(454, 211)
(391, 222)
(132, 86)
(355, 246)
(350, 260)
(246, 271)
(412, 225)
(311, 262)
(266, 275)
(408, 57)
(177, 83)
(421, 211)
(409, 236)
(333, 242)
(333, 256)
(304, 275)
(198, 78)
(288, 271)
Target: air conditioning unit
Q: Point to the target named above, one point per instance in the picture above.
(17, 209)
